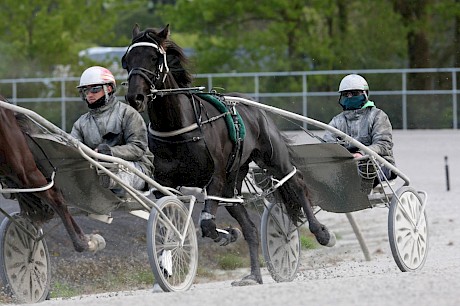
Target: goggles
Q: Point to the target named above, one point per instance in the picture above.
(91, 89)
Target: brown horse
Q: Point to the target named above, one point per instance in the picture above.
(18, 169)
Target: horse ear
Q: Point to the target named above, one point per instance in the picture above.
(135, 30)
(165, 32)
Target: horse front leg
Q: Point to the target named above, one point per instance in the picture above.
(208, 225)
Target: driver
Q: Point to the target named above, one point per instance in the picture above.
(363, 121)
(112, 127)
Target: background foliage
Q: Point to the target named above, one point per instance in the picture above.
(269, 35)
(42, 38)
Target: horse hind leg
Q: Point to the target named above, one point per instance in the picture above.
(250, 233)
(54, 198)
(251, 236)
(80, 241)
(294, 192)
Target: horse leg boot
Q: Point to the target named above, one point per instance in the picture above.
(209, 229)
(251, 236)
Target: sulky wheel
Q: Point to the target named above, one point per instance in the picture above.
(280, 243)
(174, 261)
(408, 229)
(24, 261)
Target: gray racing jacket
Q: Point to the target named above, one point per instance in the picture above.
(121, 127)
(370, 126)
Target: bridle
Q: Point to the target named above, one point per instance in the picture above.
(151, 77)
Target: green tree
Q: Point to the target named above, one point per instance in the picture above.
(37, 35)
(275, 35)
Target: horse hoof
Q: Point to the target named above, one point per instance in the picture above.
(332, 240)
(246, 281)
(324, 236)
(95, 242)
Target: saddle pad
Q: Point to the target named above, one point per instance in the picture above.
(228, 117)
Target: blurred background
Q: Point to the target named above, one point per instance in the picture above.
(289, 54)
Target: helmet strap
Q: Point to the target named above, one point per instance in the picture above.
(106, 93)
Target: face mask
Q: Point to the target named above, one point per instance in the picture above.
(355, 102)
(98, 103)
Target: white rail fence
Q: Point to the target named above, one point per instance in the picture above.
(314, 94)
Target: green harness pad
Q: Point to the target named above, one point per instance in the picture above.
(228, 117)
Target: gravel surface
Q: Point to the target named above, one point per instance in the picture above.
(340, 275)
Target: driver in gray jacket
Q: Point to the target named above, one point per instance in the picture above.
(363, 121)
(112, 127)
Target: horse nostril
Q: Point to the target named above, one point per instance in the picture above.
(139, 98)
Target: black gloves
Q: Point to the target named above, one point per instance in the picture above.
(104, 149)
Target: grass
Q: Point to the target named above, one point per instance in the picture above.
(96, 276)
(229, 261)
(307, 239)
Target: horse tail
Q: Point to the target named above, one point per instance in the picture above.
(293, 192)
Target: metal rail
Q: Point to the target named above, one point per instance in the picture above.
(323, 126)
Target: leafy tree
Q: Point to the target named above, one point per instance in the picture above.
(287, 36)
(37, 35)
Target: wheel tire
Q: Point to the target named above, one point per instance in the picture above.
(24, 263)
(280, 243)
(409, 245)
(174, 265)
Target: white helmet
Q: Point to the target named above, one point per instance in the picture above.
(353, 82)
(97, 75)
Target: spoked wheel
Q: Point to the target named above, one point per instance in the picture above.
(408, 229)
(280, 243)
(24, 261)
(174, 261)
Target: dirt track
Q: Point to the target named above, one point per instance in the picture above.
(340, 275)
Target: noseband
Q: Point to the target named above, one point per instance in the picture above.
(144, 73)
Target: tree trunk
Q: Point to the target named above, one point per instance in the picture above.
(415, 17)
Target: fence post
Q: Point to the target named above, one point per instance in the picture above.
(447, 173)
(63, 104)
(454, 99)
(404, 100)
(304, 98)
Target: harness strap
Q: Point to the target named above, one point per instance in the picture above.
(184, 129)
(163, 65)
(173, 133)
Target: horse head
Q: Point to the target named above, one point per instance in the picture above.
(153, 62)
(146, 64)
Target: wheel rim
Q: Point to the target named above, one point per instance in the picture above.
(26, 268)
(409, 241)
(281, 244)
(174, 265)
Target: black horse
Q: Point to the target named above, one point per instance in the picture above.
(192, 145)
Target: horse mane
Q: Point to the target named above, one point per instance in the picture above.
(177, 60)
